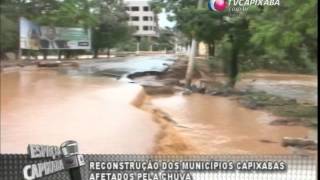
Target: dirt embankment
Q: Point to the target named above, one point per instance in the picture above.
(289, 111)
(170, 141)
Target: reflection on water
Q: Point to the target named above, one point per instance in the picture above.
(220, 125)
(43, 107)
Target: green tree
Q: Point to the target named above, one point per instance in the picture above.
(166, 40)
(239, 35)
(288, 35)
(107, 19)
(207, 26)
(8, 32)
(10, 11)
(282, 37)
(182, 10)
(112, 27)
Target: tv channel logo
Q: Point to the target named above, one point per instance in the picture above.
(218, 5)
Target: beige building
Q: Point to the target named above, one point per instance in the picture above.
(142, 18)
(203, 49)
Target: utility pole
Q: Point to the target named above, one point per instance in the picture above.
(138, 45)
(194, 43)
(19, 54)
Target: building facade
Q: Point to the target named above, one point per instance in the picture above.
(142, 18)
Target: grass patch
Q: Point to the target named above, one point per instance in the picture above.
(283, 107)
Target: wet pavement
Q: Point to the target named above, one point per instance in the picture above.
(121, 67)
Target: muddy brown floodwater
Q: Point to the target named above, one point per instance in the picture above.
(221, 126)
(44, 107)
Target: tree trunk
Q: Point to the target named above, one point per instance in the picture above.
(138, 48)
(36, 55)
(234, 69)
(108, 52)
(194, 43)
(59, 55)
(45, 54)
(95, 53)
(191, 63)
(211, 49)
(196, 53)
(68, 54)
(18, 54)
(28, 54)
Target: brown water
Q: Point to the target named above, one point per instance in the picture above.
(219, 125)
(43, 107)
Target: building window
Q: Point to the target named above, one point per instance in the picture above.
(149, 28)
(134, 8)
(136, 28)
(145, 28)
(145, 8)
(135, 18)
(127, 9)
(145, 18)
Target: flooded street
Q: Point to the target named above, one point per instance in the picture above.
(221, 125)
(158, 90)
(44, 107)
(49, 106)
(218, 125)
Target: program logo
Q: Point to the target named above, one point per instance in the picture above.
(218, 5)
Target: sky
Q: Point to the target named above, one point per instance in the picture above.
(163, 21)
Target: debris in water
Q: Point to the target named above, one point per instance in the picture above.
(300, 142)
